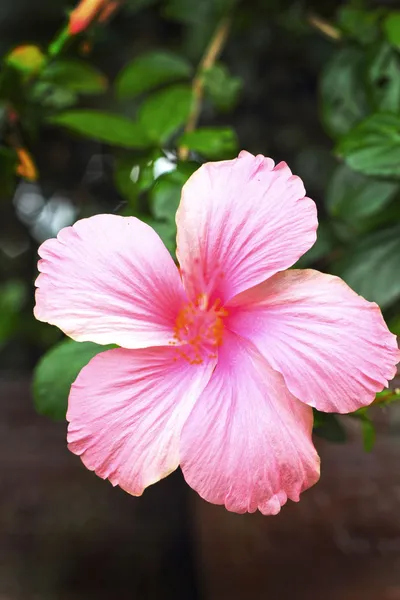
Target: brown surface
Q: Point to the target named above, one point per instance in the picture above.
(341, 542)
(67, 535)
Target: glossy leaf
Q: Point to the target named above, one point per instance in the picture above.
(56, 372)
(343, 95)
(371, 267)
(164, 200)
(52, 96)
(387, 396)
(324, 245)
(134, 175)
(222, 88)
(126, 176)
(351, 196)
(361, 25)
(165, 112)
(373, 146)
(367, 428)
(166, 193)
(329, 427)
(383, 77)
(77, 76)
(149, 71)
(392, 28)
(211, 142)
(167, 232)
(394, 325)
(104, 127)
(165, 197)
(368, 433)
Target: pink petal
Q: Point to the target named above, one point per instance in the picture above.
(109, 279)
(332, 347)
(247, 442)
(126, 411)
(239, 222)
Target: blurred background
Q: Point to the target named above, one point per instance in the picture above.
(109, 106)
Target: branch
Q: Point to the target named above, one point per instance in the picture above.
(324, 27)
(210, 56)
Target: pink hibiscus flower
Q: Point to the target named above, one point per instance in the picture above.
(221, 362)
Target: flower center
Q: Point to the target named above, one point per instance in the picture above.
(199, 330)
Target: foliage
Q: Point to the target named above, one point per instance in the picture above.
(105, 127)
(150, 71)
(57, 371)
(161, 111)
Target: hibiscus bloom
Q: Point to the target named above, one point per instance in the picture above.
(221, 361)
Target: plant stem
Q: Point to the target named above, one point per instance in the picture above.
(58, 44)
(208, 60)
(325, 27)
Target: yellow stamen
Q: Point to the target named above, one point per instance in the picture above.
(199, 329)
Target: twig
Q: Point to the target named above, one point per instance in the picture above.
(208, 60)
(325, 27)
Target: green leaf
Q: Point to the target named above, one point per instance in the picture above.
(387, 396)
(368, 433)
(329, 427)
(134, 175)
(391, 26)
(104, 127)
(367, 428)
(221, 87)
(371, 267)
(163, 113)
(164, 200)
(351, 196)
(165, 197)
(343, 95)
(51, 96)
(377, 135)
(126, 177)
(167, 232)
(361, 25)
(146, 173)
(187, 11)
(76, 76)
(201, 19)
(394, 324)
(325, 244)
(211, 142)
(150, 71)
(383, 77)
(56, 372)
(373, 146)
(166, 192)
